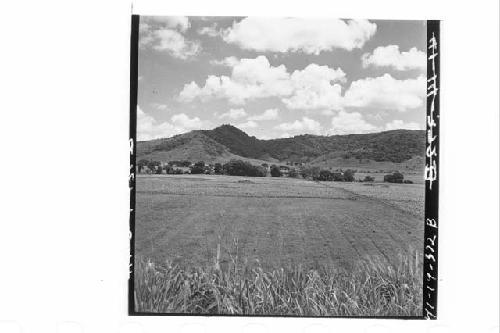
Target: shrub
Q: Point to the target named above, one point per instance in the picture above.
(406, 181)
(325, 175)
(396, 177)
(311, 172)
(368, 179)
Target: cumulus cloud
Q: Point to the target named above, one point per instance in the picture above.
(174, 43)
(248, 124)
(387, 93)
(351, 123)
(399, 124)
(227, 61)
(209, 31)
(298, 34)
(269, 114)
(233, 114)
(306, 124)
(250, 78)
(313, 87)
(164, 34)
(160, 106)
(180, 23)
(149, 128)
(390, 56)
(182, 120)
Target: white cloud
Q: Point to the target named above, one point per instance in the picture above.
(174, 22)
(313, 88)
(310, 88)
(233, 114)
(227, 61)
(209, 31)
(181, 22)
(389, 56)
(269, 114)
(399, 124)
(182, 120)
(387, 93)
(306, 124)
(174, 43)
(298, 34)
(248, 124)
(148, 128)
(160, 106)
(351, 123)
(160, 34)
(250, 78)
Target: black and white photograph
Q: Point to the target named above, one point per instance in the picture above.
(280, 166)
(250, 166)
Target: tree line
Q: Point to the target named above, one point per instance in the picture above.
(237, 167)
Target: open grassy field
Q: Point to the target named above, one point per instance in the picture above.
(275, 222)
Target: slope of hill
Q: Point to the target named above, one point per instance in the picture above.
(193, 146)
(226, 142)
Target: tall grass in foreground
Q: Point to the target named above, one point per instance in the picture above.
(370, 289)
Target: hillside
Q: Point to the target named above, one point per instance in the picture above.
(226, 142)
(193, 146)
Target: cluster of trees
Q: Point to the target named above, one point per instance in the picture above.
(316, 173)
(396, 177)
(346, 176)
(242, 168)
(232, 168)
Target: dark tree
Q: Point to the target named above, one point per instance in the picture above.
(153, 165)
(349, 175)
(275, 171)
(142, 163)
(198, 167)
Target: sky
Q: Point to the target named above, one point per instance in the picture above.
(280, 77)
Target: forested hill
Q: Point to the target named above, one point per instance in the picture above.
(394, 146)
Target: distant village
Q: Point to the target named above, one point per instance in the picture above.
(188, 167)
(244, 168)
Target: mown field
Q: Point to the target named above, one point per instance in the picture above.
(275, 221)
(268, 246)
